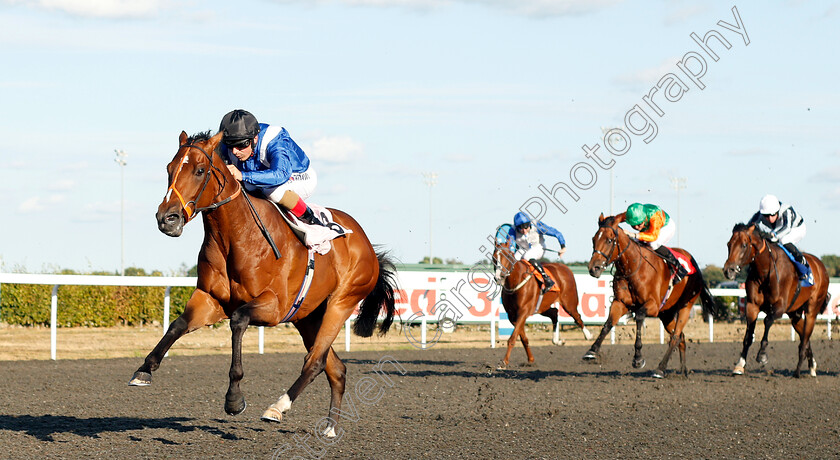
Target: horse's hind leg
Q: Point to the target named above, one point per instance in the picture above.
(201, 310)
(335, 369)
(638, 360)
(263, 310)
(316, 360)
(551, 314)
(805, 352)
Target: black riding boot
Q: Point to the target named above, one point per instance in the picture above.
(308, 217)
(671, 259)
(794, 251)
(548, 283)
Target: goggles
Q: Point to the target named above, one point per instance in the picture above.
(237, 143)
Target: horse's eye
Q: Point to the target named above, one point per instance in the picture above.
(743, 245)
(199, 172)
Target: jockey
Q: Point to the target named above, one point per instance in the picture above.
(655, 228)
(779, 223)
(531, 244)
(265, 158)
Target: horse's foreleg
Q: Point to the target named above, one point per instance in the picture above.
(683, 367)
(638, 360)
(752, 316)
(518, 333)
(263, 310)
(617, 310)
(761, 357)
(201, 310)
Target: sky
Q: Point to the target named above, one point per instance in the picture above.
(498, 98)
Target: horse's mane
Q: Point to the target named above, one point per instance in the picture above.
(740, 227)
(607, 222)
(199, 137)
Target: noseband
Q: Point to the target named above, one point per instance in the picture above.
(608, 257)
(190, 209)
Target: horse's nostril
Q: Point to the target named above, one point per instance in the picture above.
(171, 218)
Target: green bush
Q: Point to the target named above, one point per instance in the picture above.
(29, 304)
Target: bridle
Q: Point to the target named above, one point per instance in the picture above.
(190, 209)
(754, 252)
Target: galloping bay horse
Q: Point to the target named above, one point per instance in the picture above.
(241, 278)
(641, 284)
(773, 287)
(521, 294)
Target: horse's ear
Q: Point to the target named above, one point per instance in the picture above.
(182, 139)
(217, 138)
(601, 218)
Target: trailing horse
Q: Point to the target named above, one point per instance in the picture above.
(641, 284)
(243, 277)
(773, 287)
(522, 295)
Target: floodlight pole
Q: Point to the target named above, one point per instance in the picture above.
(678, 183)
(430, 179)
(121, 160)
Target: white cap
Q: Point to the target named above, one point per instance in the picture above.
(769, 205)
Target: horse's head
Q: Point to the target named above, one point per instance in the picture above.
(503, 261)
(605, 243)
(743, 247)
(191, 189)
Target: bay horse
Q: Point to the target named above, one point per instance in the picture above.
(521, 292)
(241, 278)
(641, 283)
(773, 287)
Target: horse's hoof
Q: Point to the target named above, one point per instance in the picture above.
(558, 342)
(272, 414)
(140, 379)
(762, 359)
(657, 374)
(502, 367)
(639, 364)
(590, 356)
(739, 370)
(235, 407)
(813, 368)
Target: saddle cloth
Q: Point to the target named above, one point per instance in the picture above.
(803, 269)
(316, 237)
(536, 274)
(684, 261)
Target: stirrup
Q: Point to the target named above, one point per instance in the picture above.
(308, 217)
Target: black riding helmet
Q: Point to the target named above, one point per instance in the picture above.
(239, 127)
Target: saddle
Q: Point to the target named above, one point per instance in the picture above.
(315, 237)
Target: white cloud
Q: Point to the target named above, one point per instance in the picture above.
(61, 185)
(537, 8)
(101, 9)
(38, 204)
(334, 149)
(647, 77)
(459, 158)
(751, 152)
(684, 13)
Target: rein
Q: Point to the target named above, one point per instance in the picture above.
(615, 244)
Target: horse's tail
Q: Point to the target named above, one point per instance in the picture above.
(827, 301)
(381, 295)
(706, 299)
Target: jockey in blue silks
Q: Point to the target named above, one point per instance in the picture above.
(265, 158)
(530, 244)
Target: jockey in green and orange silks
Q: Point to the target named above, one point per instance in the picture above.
(655, 228)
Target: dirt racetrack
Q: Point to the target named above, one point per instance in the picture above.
(449, 403)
